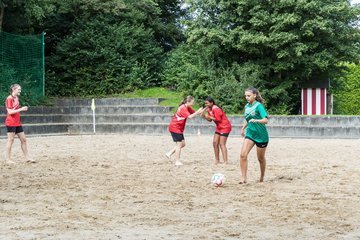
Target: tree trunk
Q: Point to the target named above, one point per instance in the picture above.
(2, 6)
(2, 10)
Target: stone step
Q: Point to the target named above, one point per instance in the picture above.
(107, 101)
(306, 120)
(331, 120)
(274, 131)
(130, 109)
(166, 118)
(191, 128)
(40, 129)
(145, 116)
(100, 118)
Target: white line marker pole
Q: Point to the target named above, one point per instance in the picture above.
(93, 110)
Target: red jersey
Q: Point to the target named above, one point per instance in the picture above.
(178, 122)
(12, 120)
(223, 124)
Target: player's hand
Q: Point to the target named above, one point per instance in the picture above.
(201, 110)
(243, 132)
(24, 108)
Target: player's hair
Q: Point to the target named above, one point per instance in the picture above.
(211, 100)
(256, 92)
(13, 87)
(186, 100)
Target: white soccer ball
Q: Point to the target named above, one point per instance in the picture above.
(218, 179)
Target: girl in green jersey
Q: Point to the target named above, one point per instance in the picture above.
(255, 132)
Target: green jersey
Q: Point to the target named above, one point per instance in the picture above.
(256, 131)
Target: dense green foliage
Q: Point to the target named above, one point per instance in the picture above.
(193, 71)
(109, 47)
(23, 16)
(197, 47)
(99, 47)
(22, 62)
(347, 95)
(274, 45)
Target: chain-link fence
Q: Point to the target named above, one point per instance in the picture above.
(22, 62)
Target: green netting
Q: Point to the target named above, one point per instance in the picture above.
(22, 62)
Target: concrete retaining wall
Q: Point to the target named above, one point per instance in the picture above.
(145, 116)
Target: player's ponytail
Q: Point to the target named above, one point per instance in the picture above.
(257, 93)
(186, 100)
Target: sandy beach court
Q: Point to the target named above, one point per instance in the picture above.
(123, 187)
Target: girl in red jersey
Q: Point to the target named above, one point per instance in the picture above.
(177, 126)
(223, 128)
(13, 123)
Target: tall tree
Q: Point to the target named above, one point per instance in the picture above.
(105, 47)
(98, 46)
(347, 94)
(291, 41)
(168, 29)
(22, 16)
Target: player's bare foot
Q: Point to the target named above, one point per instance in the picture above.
(30, 161)
(261, 179)
(9, 161)
(168, 156)
(242, 180)
(178, 163)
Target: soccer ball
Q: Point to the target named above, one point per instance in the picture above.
(218, 179)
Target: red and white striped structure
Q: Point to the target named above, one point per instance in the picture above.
(313, 101)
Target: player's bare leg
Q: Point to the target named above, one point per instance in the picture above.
(224, 149)
(179, 146)
(24, 147)
(216, 146)
(246, 147)
(170, 153)
(262, 161)
(9, 143)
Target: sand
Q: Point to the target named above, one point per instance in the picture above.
(122, 187)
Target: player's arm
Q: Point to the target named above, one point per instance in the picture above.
(206, 116)
(262, 121)
(263, 114)
(210, 118)
(199, 111)
(243, 128)
(13, 111)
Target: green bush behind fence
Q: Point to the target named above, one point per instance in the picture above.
(22, 62)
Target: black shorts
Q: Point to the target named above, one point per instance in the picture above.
(222, 134)
(177, 137)
(15, 130)
(259, 144)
